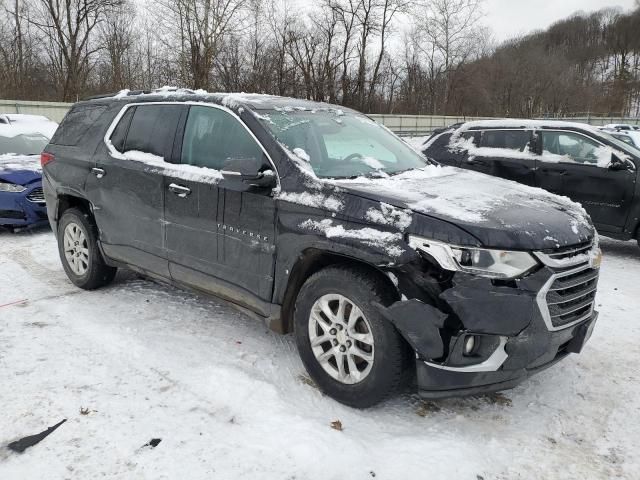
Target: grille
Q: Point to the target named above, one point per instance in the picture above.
(12, 214)
(568, 296)
(36, 195)
(570, 252)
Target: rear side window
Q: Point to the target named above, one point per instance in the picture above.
(153, 129)
(76, 123)
(213, 136)
(509, 139)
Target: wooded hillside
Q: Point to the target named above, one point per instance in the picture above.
(379, 56)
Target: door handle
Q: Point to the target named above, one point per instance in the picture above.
(179, 190)
(473, 161)
(98, 172)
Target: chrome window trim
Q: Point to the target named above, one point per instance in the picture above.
(541, 300)
(491, 364)
(118, 155)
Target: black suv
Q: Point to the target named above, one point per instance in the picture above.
(586, 164)
(387, 267)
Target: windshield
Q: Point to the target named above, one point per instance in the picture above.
(620, 144)
(25, 144)
(340, 144)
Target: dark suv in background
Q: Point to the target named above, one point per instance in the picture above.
(584, 163)
(385, 265)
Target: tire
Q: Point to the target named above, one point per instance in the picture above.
(82, 234)
(368, 383)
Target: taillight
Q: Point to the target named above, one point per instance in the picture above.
(46, 158)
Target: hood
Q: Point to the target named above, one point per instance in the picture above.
(20, 169)
(499, 213)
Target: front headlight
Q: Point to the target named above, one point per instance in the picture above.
(11, 187)
(499, 264)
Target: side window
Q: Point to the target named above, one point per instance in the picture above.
(76, 123)
(213, 136)
(577, 147)
(119, 134)
(509, 139)
(153, 129)
(475, 135)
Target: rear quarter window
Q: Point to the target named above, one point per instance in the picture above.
(509, 139)
(76, 123)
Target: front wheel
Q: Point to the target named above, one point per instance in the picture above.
(78, 248)
(349, 349)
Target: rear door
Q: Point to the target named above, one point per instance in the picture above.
(507, 154)
(220, 232)
(127, 186)
(569, 166)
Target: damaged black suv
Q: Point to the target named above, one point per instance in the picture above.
(388, 268)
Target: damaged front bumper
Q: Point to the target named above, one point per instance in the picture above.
(482, 336)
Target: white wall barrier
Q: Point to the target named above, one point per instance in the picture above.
(409, 125)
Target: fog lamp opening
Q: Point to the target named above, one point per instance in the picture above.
(470, 345)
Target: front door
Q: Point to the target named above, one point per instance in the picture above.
(574, 165)
(126, 188)
(220, 232)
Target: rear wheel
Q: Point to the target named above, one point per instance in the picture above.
(79, 252)
(349, 349)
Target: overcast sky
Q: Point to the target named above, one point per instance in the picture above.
(509, 18)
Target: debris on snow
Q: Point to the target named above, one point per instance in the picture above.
(337, 425)
(21, 445)
(153, 443)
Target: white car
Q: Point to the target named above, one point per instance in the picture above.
(621, 127)
(32, 123)
(630, 137)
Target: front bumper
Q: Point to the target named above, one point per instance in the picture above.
(520, 327)
(24, 209)
(434, 382)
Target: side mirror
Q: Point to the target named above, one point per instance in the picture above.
(617, 163)
(250, 170)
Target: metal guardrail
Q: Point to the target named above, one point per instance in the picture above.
(407, 125)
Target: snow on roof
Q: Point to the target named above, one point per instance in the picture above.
(525, 123)
(228, 99)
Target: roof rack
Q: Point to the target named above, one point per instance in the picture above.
(133, 93)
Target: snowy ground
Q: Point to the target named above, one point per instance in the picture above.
(230, 399)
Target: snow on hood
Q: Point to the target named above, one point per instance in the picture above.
(20, 169)
(28, 124)
(498, 212)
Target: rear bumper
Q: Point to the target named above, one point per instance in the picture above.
(22, 209)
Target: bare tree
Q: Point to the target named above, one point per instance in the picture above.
(201, 27)
(450, 36)
(118, 40)
(68, 28)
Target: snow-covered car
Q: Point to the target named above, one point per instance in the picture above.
(621, 126)
(387, 267)
(22, 139)
(630, 137)
(589, 165)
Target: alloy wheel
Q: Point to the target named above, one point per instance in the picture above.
(341, 338)
(76, 249)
